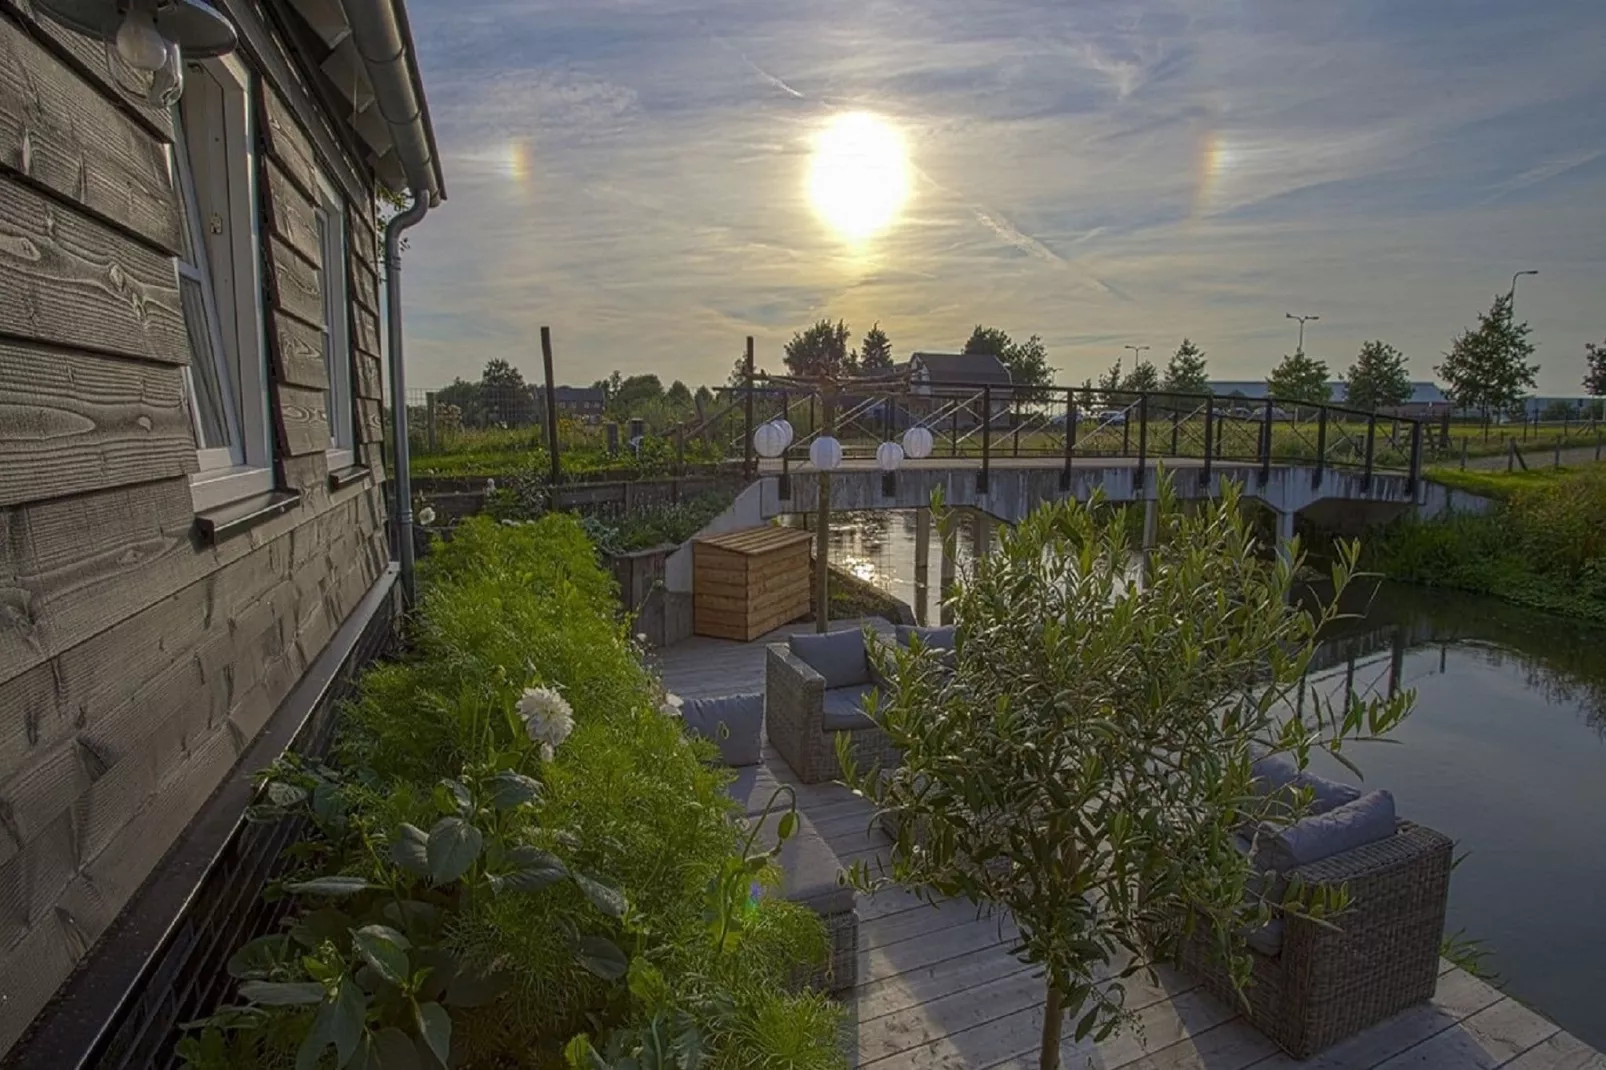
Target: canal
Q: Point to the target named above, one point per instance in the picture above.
(1505, 753)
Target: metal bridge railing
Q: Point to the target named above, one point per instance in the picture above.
(984, 422)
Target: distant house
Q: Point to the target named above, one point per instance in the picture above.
(194, 558)
(580, 402)
(951, 382)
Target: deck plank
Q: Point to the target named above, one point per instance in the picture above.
(1492, 1037)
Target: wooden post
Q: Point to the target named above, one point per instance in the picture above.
(981, 538)
(822, 527)
(556, 474)
(1464, 453)
(749, 462)
(429, 420)
(986, 438)
(922, 563)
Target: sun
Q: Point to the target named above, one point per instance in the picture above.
(858, 175)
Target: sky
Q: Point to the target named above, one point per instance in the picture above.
(636, 174)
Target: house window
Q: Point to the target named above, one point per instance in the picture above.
(331, 220)
(219, 285)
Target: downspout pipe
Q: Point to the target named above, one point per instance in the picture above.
(403, 511)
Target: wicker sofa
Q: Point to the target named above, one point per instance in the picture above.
(815, 687)
(805, 708)
(808, 866)
(809, 871)
(1315, 984)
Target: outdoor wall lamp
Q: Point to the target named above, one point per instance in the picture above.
(150, 36)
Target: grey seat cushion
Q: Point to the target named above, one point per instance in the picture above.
(1276, 775)
(734, 722)
(935, 638)
(753, 788)
(1354, 824)
(844, 708)
(837, 656)
(809, 869)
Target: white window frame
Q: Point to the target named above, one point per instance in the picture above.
(231, 280)
(331, 213)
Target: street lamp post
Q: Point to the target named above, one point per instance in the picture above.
(1301, 319)
(1137, 354)
(1511, 295)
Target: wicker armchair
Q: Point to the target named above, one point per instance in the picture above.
(794, 718)
(1381, 956)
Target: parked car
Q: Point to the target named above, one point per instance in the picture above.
(1111, 416)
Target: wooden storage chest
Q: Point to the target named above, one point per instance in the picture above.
(748, 582)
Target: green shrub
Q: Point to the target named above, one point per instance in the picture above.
(1543, 546)
(601, 860)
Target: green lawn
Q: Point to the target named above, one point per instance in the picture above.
(1503, 485)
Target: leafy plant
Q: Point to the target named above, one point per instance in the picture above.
(1085, 762)
(511, 831)
(367, 953)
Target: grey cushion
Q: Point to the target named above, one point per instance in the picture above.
(734, 722)
(753, 788)
(1277, 775)
(1354, 824)
(844, 708)
(809, 869)
(837, 656)
(935, 638)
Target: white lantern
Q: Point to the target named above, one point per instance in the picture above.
(825, 453)
(888, 456)
(786, 428)
(917, 443)
(769, 440)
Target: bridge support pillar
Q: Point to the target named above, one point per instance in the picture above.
(982, 533)
(1285, 533)
(1151, 528)
(950, 550)
(922, 563)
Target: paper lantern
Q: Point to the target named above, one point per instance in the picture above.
(786, 427)
(888, 456)
(917, 443)
(769, 440)
(825, 453)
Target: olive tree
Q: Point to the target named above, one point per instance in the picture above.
(1083, 758)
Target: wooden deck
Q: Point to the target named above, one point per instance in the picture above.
(938, 990)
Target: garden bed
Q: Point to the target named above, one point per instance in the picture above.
(517, 855)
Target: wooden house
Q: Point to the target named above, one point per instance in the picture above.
(193, 535)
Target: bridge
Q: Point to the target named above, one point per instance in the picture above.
(1001, 449)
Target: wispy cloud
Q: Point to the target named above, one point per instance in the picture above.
(632, 172)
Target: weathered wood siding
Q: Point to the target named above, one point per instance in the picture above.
(137, 661)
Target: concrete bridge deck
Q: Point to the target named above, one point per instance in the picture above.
(1015, 485)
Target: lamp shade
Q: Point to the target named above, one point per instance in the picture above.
(917, 443)
(888, 456)
(786, 427)
(193, 25)
(825, 453)
(769, 440)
